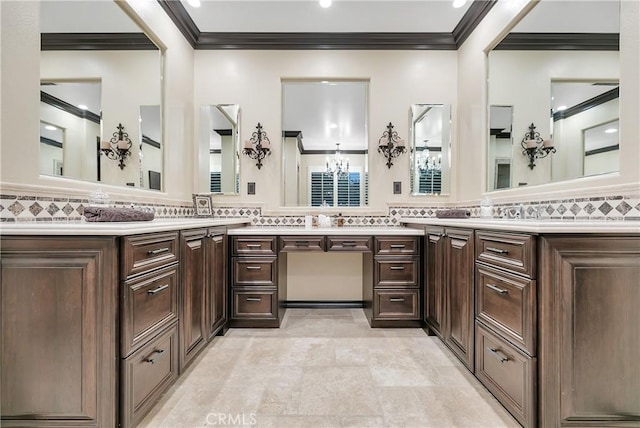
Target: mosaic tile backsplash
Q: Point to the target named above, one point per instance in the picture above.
(617, 207)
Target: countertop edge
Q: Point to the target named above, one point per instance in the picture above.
(333, 231)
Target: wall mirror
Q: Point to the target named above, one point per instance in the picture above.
(115, 78)
(430, 129)
(325, 143)
(558, 69)
(219, 131)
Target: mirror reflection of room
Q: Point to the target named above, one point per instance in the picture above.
(325, 143)
(430, 129)
(219, 132)
(559, 69)
(115, 80)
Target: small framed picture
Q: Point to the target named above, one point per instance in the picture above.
(203, 205)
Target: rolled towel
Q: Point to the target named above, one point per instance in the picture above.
(453, 214)
(117, 214)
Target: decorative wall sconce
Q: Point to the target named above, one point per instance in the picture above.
(337, 163)
(118, 147)
(390, 144)
(535, 147)
(262, 147)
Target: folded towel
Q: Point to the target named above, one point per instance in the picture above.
(453, 214)
(116, 214)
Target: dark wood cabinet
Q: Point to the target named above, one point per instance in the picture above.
(434, 267)
(589, 343)
(193, 290)
(458, 330)
(217, 300)
(59, 323)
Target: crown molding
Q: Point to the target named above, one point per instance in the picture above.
(472, 17)
(560, 42)
(95, 42)
(181, 18)
(586, 105)
(69, 108)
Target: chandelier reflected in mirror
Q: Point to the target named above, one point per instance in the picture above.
(337, 164)
(426, 162)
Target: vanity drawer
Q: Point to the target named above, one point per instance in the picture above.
(255, 304)
(396, 272)
(301, 243)
(508, 374)
(254, 246)
(349, 243)
(396, 246)
(511, 251)
(150, 303)
(143, 253)
(146, 375)
(396, 304)
(507, 303)
(254, 271)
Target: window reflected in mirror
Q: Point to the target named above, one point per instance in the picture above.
(325, 144)
(219, 131)
(559, 69)
(430, 128)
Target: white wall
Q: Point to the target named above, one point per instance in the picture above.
(324, 276)
(398, 79)
(20, 51)
(602, 163)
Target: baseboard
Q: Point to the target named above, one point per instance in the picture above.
(323, 304)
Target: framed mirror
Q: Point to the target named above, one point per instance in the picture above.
(558, 69)
(115, 79)
(325, 142)
(430, 149)
(219, 131)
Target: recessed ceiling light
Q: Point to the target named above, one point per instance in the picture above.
(560, 108)
(325, 3)
(333, 126)
(610, 131)
(194, 3)
(50, 127)
(82, 107)
(324, 81)
(459, 3)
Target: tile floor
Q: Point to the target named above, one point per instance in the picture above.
(327, 368)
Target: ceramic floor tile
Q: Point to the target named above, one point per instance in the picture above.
(327, 368)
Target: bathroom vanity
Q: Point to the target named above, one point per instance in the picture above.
(544, 314)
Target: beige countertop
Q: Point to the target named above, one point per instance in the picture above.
(84, 228)
(351, 231)
(532, 226)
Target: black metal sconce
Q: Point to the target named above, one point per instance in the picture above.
(390, 144)
(535, 147)
(118, 147)
(262, 145)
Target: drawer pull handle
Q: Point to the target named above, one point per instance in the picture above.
(396, 246)
(349, 244)
(254, 299)
(159, 289)
(158, 251)
(254, 246)
(254, 267)
(396, 299)
(396, 267)
(497, 250)
(498, 355)
(497, 289)
(150, 360)
(302, 243)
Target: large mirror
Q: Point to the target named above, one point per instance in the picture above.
(325, 143)
(430, 130)
(219, 131)
(558, 70)
(99, 71)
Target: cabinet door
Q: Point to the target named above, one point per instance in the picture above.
(588, 337)
(459, 294)
(59, 298)
(434, 279)
(192, 294)
(217, 290)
